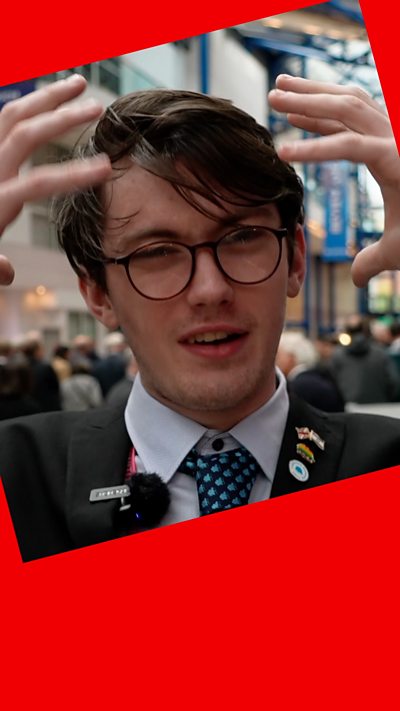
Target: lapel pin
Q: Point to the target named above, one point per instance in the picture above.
(305, 452)
(306, 433)
(298, 470)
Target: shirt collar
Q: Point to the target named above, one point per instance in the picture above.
(163, 437)
(262, 431)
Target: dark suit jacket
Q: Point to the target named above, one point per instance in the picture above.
(50, 462)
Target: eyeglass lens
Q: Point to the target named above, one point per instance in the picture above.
(163, 269)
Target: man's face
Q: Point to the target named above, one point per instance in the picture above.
(216, 385)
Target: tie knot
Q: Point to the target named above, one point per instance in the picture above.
(224, 480)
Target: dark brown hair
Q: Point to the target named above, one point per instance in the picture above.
(204, 146)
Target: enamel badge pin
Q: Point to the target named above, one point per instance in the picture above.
(306, 433)
(298, 470)
(305, 452)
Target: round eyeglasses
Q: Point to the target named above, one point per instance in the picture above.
(161, 270)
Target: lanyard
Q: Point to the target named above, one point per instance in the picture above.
(131, 468)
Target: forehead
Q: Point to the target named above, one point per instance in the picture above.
(137, 199)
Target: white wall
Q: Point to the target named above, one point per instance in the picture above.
(168, 65)
(235, 74)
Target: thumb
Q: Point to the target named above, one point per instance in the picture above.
(372, 260)
(6, 271)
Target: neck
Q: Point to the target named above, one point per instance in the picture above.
(221, 419)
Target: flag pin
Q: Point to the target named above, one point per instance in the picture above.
(305, 452)
(306, 433)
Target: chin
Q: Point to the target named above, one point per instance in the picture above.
(215, 396)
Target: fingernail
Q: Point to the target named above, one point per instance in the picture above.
(91, 104)
(74, 78)
(102, 158)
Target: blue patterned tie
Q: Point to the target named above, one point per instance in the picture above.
(224, 481)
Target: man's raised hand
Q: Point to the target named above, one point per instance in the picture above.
(26, 124)
(354, 127)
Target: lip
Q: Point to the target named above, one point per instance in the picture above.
(211, 328)
(222, 351)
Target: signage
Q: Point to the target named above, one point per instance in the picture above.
(15, 91)
(336, 181)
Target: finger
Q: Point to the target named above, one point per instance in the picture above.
(348, 109)
(45, 99)
(50, 180)
(372, 260)
(29, 134)
(343, 146)
(308, 86)
(6, 271)
(324, 127)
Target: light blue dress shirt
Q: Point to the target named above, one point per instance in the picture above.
(162, 438)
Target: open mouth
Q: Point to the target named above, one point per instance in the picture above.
(218, 344)
(213, 338)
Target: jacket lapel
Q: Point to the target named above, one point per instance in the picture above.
(325, 467)
(97, 457)
(99, 449)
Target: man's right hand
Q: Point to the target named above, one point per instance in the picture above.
(26, 124)
(354, 127)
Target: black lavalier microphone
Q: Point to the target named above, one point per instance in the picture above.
(144, 505)
(144, 499)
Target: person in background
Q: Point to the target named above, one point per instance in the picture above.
(380, 330)
(119, 392)
(61, 363)
(325, 343)
(363, 369)
(80, 391)
(111, 369)
(394, 348)
(83, 349)
(297, 357)
(6, 348)
(45, 387)
(15, 388)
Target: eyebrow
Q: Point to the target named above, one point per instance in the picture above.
(221, 224)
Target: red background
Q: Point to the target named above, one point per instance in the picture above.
(292, 603)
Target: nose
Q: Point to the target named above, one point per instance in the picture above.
(209, 286)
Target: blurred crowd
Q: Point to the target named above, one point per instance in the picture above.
(361, 364)
(74, 377)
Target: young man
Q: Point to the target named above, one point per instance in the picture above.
(190, 243)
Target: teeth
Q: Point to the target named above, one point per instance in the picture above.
(208, 337)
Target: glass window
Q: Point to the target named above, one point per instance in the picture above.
(81, 322)
(43, 231)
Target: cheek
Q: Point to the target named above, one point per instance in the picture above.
(143, 323)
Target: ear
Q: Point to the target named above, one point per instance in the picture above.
(98, 302)
(297, 269)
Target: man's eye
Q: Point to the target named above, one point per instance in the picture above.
(244, 236)
(157, 251)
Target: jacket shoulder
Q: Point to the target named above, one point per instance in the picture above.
(36, 455)
(356, 443)
(370, 442)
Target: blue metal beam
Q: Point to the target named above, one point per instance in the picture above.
(267, 44)
(275, 45)
(204, 64)
(347, 11)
